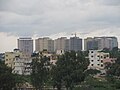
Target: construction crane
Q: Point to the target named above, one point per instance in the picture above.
(75, 34)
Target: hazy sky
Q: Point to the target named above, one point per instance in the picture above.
(55, 18)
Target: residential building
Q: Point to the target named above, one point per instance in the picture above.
(25, 45)
(75, 43)
(90, 44)
(98, 59)
(44, 44)
(18, 67)
(11, 56)
(60, 44)
(99, 43)
(27, 67)
(52, 57)
(106, 42)
(67, 44)
(22, 66)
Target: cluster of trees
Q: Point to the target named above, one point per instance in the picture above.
(70, 70)
(8, 80)
(113, 69)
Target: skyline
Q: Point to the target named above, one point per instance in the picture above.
(68, 38)
(57, 18)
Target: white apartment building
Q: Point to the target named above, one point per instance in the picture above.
(98, 59)
(22, 66)
(18, 67)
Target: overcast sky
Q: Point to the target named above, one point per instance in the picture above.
(55, 18)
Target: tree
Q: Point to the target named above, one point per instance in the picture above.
(7, 79)
(40, 71)
(114, 53)
(113, 69)
(69, 70)
(91, 72)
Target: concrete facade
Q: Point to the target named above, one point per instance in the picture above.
(99, 43)
(75, 44)
(25, 45)
(44, 44)
(22, 66)
(98, 60)
(60, 43)
(10, 57)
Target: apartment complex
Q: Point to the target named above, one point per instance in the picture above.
(25, 45)
(99, 43)
(44, 44)
(74, 43)
(63, 43)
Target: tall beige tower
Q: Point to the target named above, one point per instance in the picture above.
(60, 43)
(44, 44)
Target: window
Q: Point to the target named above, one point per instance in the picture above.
(101, 65)
(98, 64)
(6, 59)
(98, 60)
(91, 51)
(92, 64)
(101, 56)
(98, 56)
(101, 61)
(92, 60)
(91, 56)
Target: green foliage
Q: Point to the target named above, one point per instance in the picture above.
(40, 71)
(97, 84)
(69, 70)
(113, 69)
(21, 80)
(7, 79)
(91, 72)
